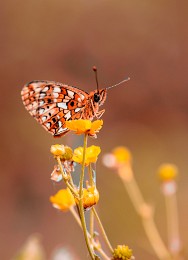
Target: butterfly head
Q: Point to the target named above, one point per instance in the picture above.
(98, 96)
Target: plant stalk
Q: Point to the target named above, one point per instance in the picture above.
(102, 230)
(81, 208)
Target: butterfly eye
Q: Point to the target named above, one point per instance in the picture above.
(96, 97)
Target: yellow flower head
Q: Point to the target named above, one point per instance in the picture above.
(122, 154)
(122, 252)
(118, 157)
(91, 155)
(63, 200)
(63, 151)
(167, 172)
(90, 197)
(82, 126)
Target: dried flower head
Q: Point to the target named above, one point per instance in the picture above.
(56, 175)
(63, 200)
(83, 126)
(122, 252)
(91, 155)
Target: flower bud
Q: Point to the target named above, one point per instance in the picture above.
(90, 197)
(64, 152)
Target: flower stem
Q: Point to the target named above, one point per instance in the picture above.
(75, 214)
(102, 230)
(91, 215)
(155, 239)
(83, 167)
(169, 191)
(81, 208)
(91, 223)
(144, 211)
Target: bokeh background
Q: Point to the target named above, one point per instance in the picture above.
(61, 40)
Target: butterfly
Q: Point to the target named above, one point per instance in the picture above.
(52, 104)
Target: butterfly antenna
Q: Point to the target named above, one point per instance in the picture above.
(96, 78)
(127, 79)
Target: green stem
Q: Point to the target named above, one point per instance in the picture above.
(102, 230)
(81, 208)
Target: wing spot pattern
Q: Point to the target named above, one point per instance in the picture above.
(52, 103)
(62, 105)
(57, 90)
(68, 115)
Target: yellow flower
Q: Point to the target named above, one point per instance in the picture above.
(90, 197)
(122, 154)
(122, 252)
(167, 172)
(62, 200)
(118, 157)
(63, 151)
(91, 155)
(83, 126)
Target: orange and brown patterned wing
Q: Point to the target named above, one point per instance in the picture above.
(52, 103)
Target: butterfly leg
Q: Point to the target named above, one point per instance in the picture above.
(100, 113)
(97, 114)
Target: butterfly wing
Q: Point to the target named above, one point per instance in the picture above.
(52, 103)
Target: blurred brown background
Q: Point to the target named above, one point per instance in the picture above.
(61, 41)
